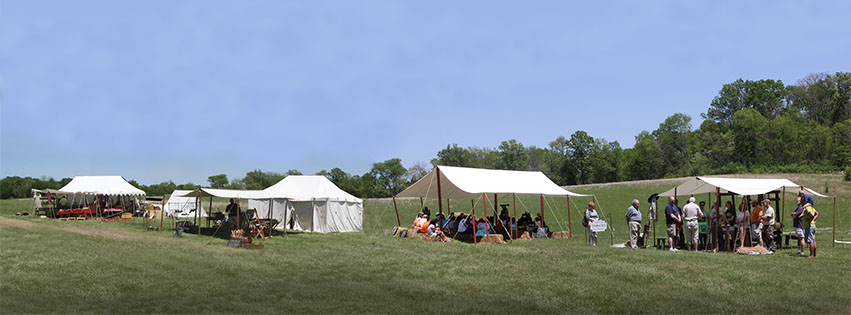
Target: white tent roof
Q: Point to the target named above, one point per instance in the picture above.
(101, 185)
(739, 186)
(470, 183)
(307, 188)
(293, 187)
(226, 193)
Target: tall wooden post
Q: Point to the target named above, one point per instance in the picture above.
(542, 211)
(485, 213)
(422, 204)
(514, 226)
(198, 214)
(782, 205)
(834, 223)
(717, 212)
(439, 193)
(162, 212)
(396, 208)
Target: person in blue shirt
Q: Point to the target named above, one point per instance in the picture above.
(806, 198)
(672, 220)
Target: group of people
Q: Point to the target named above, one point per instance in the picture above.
(432, 228)
(442, 227)
(730, 225)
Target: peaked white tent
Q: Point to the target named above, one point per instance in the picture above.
(180, 206)
(101, 185)
(312, 202)
(83, 190)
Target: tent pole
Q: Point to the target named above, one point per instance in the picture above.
(198, 214)
(569, 223)
(782, 205)
(439, 193)
(422, 205)
(448, 205)
(485, 214)
(396, 208)
(514, 226)
(286, 203)
(495, 203)
(542, 211)
(210, 210)
(162, 212)
(834, 223)
(269, 216)
(717, 212)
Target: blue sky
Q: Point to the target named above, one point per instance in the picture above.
(180, 90)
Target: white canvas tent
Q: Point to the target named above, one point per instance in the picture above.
(463, 183)
(738, 186)
(313, 204)
(470, 183)
(180, 206)
(82, 190)
(101, 185)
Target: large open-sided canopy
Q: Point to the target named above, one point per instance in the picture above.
(738, 186)
(182, 207)
(225, 193)
(471, 183)
(101, 185)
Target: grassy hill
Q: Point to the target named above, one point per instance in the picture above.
(51, 266)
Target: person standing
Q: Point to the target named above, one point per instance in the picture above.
(756, 223)
(703, 227)
(798, 223)
(810, 216)
(591, 216)
(768, 219)
(742, 223)
(672, 220)
(691, 213)
(633, 219)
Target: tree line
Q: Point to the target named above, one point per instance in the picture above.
(761, 126)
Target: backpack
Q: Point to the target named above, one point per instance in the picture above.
(585, 220)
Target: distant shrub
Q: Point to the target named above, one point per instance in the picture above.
(848, 173)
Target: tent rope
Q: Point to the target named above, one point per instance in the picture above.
(555, 214)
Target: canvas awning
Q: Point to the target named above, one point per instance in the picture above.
(101, 185)
(738, 186)
(225, 193)
(471, 183)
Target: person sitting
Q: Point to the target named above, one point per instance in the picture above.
(452, 227)
(481, 227)
(424, 227)
(436, 232)
(463, 224)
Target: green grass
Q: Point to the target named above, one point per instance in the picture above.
(51, 266)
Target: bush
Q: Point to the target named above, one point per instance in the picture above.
(848, 173)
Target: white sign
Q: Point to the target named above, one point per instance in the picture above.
(598, 226)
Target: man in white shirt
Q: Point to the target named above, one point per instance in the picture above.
(691, 213)
(768, 219)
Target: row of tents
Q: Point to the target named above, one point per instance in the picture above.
(313, 203)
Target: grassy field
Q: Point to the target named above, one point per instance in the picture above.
(51, 266)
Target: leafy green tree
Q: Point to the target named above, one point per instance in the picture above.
(749, 131)
(453, 155)
(765, 96)
(387, 177)
(218, 181)
(673, 137)
(646, 158)
(824, 98)
(512, 156)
